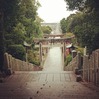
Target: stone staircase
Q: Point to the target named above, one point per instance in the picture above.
(44, 85)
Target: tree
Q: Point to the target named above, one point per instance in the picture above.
(85, 23)
(63, 25)
(2, 47)
(17, 51)
(17, 23)
(83, 4)
(46, 29)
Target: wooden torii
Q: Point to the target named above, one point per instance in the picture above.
(53, 35)
(51, 40)
(40, 41)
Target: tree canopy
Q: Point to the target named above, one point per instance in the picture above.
(82, 4)
(85, 23)
(19, 22)
(46, 29)
(63, 25)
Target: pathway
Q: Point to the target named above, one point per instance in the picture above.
(44, 85)
(54, 60)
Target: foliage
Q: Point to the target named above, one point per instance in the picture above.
(68, 59)
(75, 4)
(46, 29)
(20, 20)
(85, 23)
(82, 4)
(18, 23)
(80, 49)
(16, 36)
(63, 25)
(69, 34)
(2, 45)
(17, 51)
(85, 28)
(33, 57)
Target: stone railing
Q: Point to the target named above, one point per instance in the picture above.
(18, 65)
(91, 67)
(71, 65)
(88, 67)
(75, 63)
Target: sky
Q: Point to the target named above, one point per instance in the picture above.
(53, 10)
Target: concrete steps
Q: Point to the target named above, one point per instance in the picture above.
(44, 85)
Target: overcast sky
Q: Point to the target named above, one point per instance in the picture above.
(53, 10)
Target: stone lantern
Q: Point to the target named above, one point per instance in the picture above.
(27, 46)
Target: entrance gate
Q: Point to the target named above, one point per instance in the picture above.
(51, 41)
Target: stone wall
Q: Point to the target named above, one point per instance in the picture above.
(18, 65)
(75, 63)
(72, 65)
(91, 67)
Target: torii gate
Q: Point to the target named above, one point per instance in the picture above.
(40, 41)
(53, 35)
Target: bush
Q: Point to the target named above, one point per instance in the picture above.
(68, 59)
(17, 51)
(33, 57)
(80, 49)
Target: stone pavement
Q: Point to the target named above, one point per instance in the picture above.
(45, 85)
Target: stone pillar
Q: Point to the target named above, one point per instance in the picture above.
(8, 64)
(85, 50)
(74, 53)
(64, 50)
(95, 56)
(86, 68)
(10, 61)
(62, 46)
(97, 66)
(79, 60)
(64, 55)
(40, 53)
(94, 66)
(6, 61)
(90, 69)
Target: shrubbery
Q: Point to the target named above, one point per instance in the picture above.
(17, 51)
(33, 57)
(68, 59)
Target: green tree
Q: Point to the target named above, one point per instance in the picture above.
(85, 23)
(17, 51)
(2, 49)
(63, 25)
(17, 23)
(46, 29)
(83, 4)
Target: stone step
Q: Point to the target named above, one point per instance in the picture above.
(42, 76)
(45, 85)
